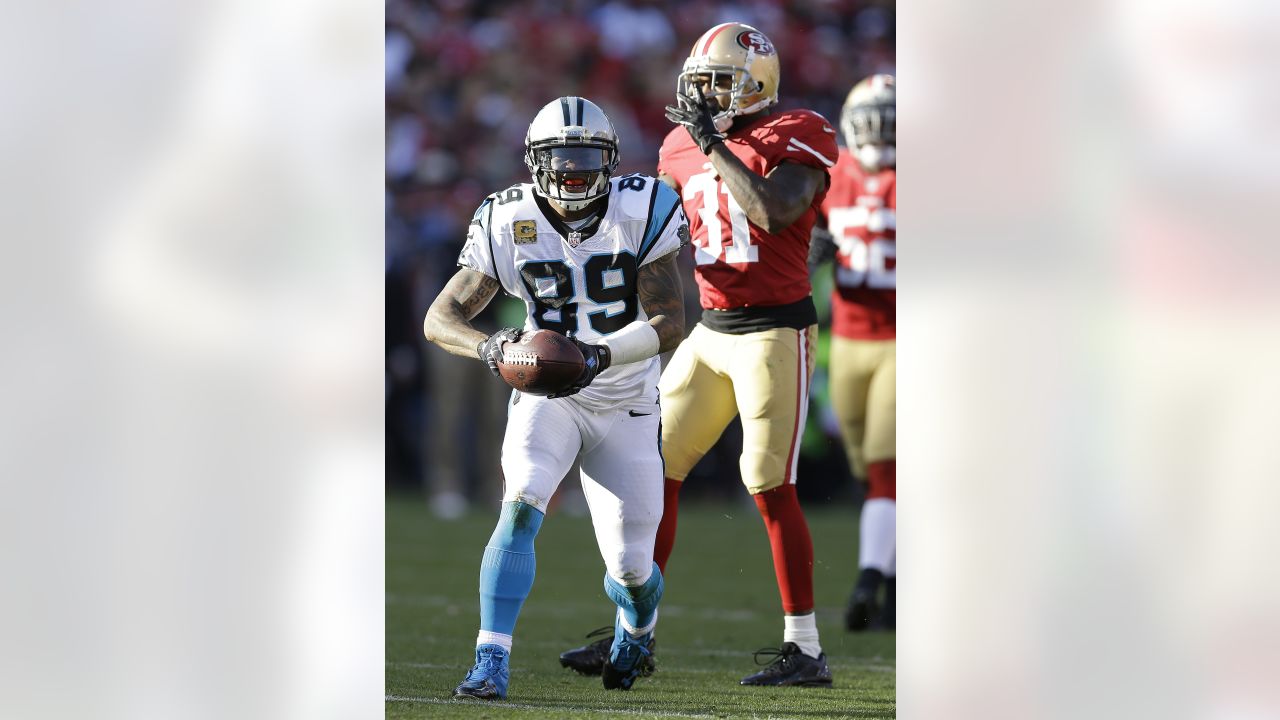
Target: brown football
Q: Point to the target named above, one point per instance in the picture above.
(541, 362)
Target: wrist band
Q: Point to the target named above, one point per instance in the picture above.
(633, 343)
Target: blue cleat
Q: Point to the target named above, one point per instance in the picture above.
(488, 679)
(626, 659)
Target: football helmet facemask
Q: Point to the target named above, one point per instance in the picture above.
(572, 150)
(868, 121)
(737, 67)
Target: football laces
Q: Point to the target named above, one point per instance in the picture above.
(520, 357)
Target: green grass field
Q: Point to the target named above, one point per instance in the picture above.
(721, 603)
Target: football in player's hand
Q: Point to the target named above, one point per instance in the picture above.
(541, 362)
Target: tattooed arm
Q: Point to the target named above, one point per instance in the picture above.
(663, 300)
(448, 322)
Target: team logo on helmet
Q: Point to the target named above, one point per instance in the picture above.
(756, 42)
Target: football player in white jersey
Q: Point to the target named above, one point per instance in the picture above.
(593, 257)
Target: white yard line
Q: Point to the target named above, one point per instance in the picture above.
(502, 704)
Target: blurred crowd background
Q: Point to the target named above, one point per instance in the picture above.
(463, 80)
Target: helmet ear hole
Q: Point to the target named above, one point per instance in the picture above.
(759, 86)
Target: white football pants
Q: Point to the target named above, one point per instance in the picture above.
(621, 472)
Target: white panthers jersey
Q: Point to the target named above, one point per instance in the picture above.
(581, 281)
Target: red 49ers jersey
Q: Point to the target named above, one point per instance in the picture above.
(738, 264)
(861, 212)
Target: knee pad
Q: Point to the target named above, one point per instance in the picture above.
(631, 566)
(762, 470)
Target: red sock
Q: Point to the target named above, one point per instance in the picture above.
(667, 528)
(792, 547)
(882, 479)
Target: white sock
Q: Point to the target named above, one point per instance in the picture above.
(877, 535)
(803, 631)
(492, 638)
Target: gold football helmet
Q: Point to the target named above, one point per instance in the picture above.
(869, 121)
(736, 63)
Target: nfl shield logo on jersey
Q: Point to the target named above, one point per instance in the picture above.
(574, 238)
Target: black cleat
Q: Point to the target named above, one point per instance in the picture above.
(861, 609)
(590, 658)
(790, 667)
(888, 618)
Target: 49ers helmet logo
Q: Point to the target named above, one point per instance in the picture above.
(755, 42)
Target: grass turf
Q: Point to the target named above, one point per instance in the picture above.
(721, 603)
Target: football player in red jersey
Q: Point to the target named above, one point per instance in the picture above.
(860, 215)
(752, 181)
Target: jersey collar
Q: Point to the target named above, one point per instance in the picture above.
(583, 233)
(748, 122)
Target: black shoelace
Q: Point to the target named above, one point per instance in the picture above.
(777, 659)
(606, 636)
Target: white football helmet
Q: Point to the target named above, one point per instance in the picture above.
(572, 150)
(737, 61)
(869, 122)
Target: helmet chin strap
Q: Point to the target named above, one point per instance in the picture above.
(573, 204)
(565, 203)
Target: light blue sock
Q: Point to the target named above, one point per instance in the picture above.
(506, 573)
(640, 603)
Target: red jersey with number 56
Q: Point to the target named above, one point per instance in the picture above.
(739, 264)
(861, 212)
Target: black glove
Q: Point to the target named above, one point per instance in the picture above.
(822, 247)
(598, 358)
(490, 350)
(696, 117)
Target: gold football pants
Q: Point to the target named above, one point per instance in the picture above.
(864, 397)
(762, 376)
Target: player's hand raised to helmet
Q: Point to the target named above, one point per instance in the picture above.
(597, 359)
(490, 351)
(696, 117)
